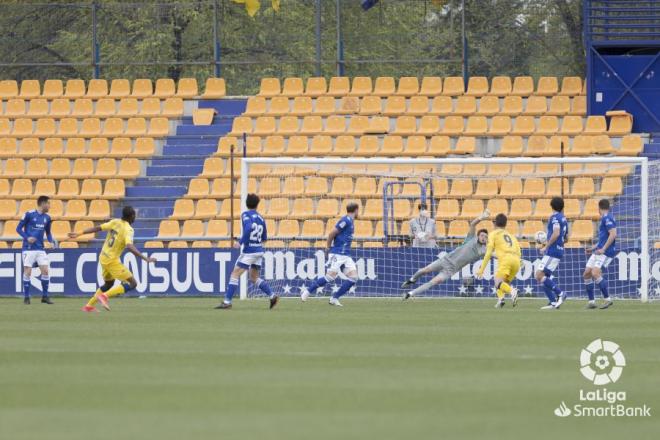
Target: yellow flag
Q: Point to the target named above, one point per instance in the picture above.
(253, 6)
(276, 5)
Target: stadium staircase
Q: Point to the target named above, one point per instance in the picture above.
(182, 158)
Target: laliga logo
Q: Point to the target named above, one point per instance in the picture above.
(602, 362)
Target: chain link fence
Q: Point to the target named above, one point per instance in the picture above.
(124, 39)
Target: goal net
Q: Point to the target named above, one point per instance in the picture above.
(302, 200)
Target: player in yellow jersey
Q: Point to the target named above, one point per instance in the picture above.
(507, 251)
(120, 237)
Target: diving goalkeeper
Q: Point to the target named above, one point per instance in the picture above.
(470, 251)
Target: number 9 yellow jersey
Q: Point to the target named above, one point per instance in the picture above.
(120, 233)
(503, 243)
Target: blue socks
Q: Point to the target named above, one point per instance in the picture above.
(319, 282)
(345, 287)
(265, 288)
(231, 289)
(549, 287)
(26, 286)
(590, 289)
(602, 285)
(45, 281)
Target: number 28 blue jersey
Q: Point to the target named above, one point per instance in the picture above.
(341, 245)
(254, 232)
(556, 249)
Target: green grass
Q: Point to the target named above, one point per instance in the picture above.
(375, 369)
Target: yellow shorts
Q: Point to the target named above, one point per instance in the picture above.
(114, 270)
(507, 267)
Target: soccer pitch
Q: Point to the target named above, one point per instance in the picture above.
(374, 369)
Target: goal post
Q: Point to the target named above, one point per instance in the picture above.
(300, 195)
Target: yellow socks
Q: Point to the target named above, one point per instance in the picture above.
(93, 299)
(503, 289)
(116, 291)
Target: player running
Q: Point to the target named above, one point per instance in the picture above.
(253, 238)
(508, 254)
(470, 251)
(119, 237)
(339, 258)
(32, 227)
(601, 256)
(552, 251)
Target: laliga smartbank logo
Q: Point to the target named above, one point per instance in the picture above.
(602, 363)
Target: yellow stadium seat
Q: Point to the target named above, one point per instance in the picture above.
(119, 88)
(572, 208)
(177, 244)
(523, 126)
(486, 188)
(401, 209)
(113, 127)
(471, 208)
(511, 188)
(197, 244)
(496, 206)
(499, 170)
(556, 186)
(453, 125)
(531, 227)
(23, 127)
(114, 189)
(321, 145)
(30, 88)
(415, 146)
(335, 125)
(37, 167)
(26, 205)
(45, 187)
(169, 228)
(581, 230)
(273, 146)
(217, 228)
(500, 86)
(38, 108)
(523, 86)
(325, 105)
(571, 86)
(256, 106)
(408, 86)
(75, 88)
(595, 125)
(279, 105)
(489, 106)
(512, 106)
(559, 106)
(339, 86)
(631, 145)
(442, 106)
(358, 125)
(97, 88)
(192, 228)
(384, 86)
(164, 88)
(590, 210)
(129, 168)
(431, 86)
(547, 86)
(183, 209)
(312, 125)
(579, 105)
(297, 146)
(206, 209)
(571, 125)
(278, 208)
(476, 126)
(158, 127)
(392, 146)
(465, 106)
(453, 86)
(327, 208)
(98, 147)
(367, 146)
(548, 125)
(127, 107)
(583, 187)
(461, 188)
(105, 107)
(106, 168)
(144, 147)
(142, 88)
(344, 146)
(187, 88)
(215, 88)
(458, 228)
(270, 186)
(465, 145)
(316, 86)
(545, 169)
(60, 230)
(45, 127)
(293, 186)
(288, 228)
(477, 86)
(29, 147)
(198, 188)
(602, 144)
(447, 209)
(69, 245)
(269, 87)
(342, 187)
(76, 209)
(521, 209)
(419, 106)
(4, 187)
(361, 86)
(582, 146)
(221, 188)
(21, 188)
(60, 168)
(302, 106)
(8, 147)
(91, 188)
(363, 229)
(14, 168)
(500, 126)
(620, 125)
(370, 105)
(292, 86)
(60, 108)
(90, 127)
(405, 125)
(53, 88)
(556, 145)
(312, 228)
(15, 107)
(536, 106)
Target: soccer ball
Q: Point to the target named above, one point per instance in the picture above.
(541, 237)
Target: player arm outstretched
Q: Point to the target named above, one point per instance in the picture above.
(130, 247)
(92, 230)
(473, 224)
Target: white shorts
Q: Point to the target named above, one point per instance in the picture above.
(247, 261)
(340, 263)
(30, 257)
(549, 263)
(598, 261)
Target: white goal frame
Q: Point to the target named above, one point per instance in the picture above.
(247, 162)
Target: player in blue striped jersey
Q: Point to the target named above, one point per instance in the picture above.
(601, 256)
(553, 251)
(339, 258)
(252, 241)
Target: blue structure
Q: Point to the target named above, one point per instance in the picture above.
(622, 40)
